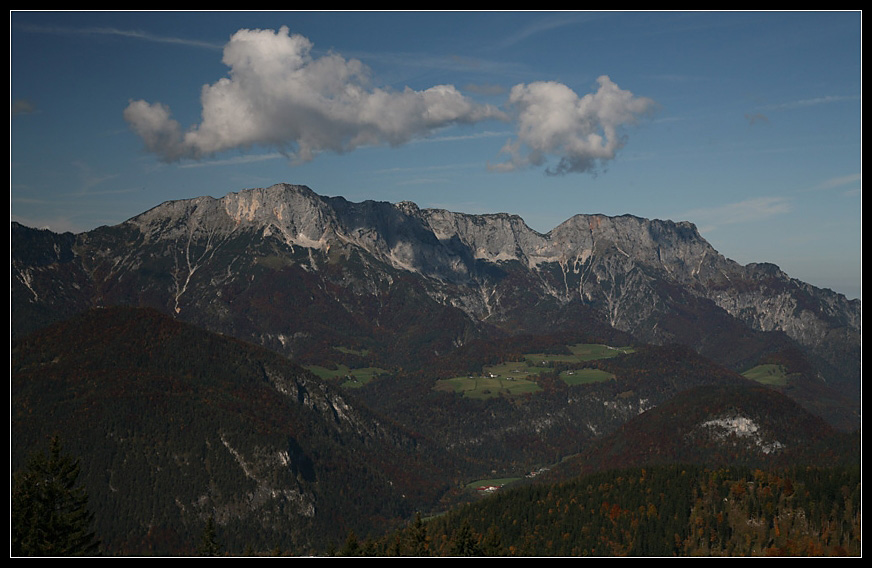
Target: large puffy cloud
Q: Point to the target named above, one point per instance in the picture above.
(581, 133)
(278, 95)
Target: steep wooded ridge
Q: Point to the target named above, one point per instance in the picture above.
(170, 349)
(175, 424)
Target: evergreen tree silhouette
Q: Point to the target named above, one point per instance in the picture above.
(464, 541)
(50, 515)
(417, 544)
(209, 545)
(351, 546)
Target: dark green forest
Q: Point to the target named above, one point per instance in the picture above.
(670, 510)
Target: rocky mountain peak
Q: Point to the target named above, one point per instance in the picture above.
(303, 218)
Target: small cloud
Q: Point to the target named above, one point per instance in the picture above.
(582, 133)
(23, 106)
(757, 117)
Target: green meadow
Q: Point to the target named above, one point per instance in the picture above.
(487, 387)
(585, 376)
(518, 377)
(578, 353)
(506, 379)
(591, 351)
(768, 374)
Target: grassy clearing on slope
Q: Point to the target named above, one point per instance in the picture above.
(591, 351)
(579, 353)
(518, 377)
(353, 377)
(768, 374)
(585, 376)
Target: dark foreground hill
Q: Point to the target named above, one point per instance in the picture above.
(175, 425)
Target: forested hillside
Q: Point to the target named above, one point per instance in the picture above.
(672, 510)
(174, 425)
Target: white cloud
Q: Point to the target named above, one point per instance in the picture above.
(278, 95)
(582, 133)
(22, 106)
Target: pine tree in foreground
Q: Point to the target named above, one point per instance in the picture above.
(209, 545)
(50, 514)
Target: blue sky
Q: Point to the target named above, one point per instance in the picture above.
(745, 123)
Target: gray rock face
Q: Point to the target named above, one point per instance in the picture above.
(636, 273)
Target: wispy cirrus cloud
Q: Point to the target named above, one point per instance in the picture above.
(804, 103)
(837, 182)
(746, 211)
(547, 24)
(108, 31)
(758, 117)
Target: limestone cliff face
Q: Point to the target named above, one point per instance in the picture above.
(659, 280)
(617, 264)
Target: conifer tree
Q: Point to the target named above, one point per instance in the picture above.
(50, 515)
(209, 545)
(351, 546)
(417, 538)
(464, 541)
(491, 543)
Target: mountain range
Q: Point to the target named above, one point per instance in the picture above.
(293, 271)
(280, 281)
